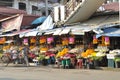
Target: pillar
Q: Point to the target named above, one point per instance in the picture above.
(46, 7)
(16, 4)
(28, 7)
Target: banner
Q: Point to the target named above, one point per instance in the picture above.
(71, 40)
(107, 41)
(50, 40)
(12, 24)
(25, 41)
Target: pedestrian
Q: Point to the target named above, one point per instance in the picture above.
(26, 53)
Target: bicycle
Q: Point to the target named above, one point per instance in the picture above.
(8, 58)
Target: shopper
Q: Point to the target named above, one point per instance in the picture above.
(26, 53)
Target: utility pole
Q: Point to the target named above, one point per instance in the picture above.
(46, 7)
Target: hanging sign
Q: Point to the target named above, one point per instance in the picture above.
(49, 40)
(33, 40)
(107, 41)
(95, 40)
(25, 41)
(71, 40)
(2, 40)
(65, 41)
(42, 39)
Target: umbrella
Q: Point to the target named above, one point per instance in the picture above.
(39, 20)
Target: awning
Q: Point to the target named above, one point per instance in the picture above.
(77, 32)
(23, 33)
(80, 30)
(111, 32)
(16, 33)
(47, 32)
(65, 31)
(31, 33)
(58, 30)
(102, 20)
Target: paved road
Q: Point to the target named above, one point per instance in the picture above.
(38, 73)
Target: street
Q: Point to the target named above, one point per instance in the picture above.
(41, 73)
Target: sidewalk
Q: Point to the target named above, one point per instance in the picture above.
(109, 69)
(32, 65)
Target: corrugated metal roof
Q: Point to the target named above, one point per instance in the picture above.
(27, 19)
(6, 12)
(101, 20)
(16, 33)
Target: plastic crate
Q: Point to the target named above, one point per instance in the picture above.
(111, 63)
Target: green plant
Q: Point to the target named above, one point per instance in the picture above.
(99, 58)
(117, 59)
(1, 51)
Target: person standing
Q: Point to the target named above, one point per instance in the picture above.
(26, 52)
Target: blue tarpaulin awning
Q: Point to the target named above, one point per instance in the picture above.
(39, 20)
(111, 32)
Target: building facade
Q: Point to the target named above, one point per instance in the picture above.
(33, 6)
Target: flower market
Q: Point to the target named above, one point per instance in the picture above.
(68, 49)
(84, 45)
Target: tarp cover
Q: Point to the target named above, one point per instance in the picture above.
(111, 32)
(39, 20)
(47, 24)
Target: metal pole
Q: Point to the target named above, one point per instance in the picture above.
(46, 7)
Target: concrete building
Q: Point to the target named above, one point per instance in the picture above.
(30, 6)
(34, 6)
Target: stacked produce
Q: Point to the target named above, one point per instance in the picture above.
(102, 49)
(62, 53)
(43, 49)
(88, 53)
(31, 47)
(5, 48)
(1, 55)
(40, 57)
(74, 50)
